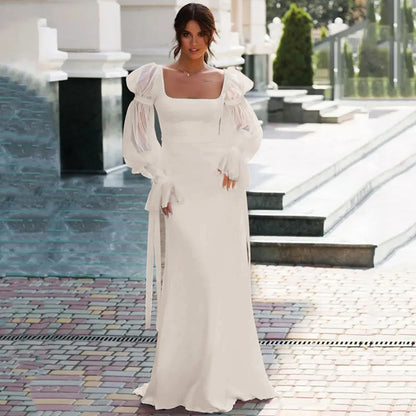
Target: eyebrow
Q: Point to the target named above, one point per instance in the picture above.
(187, 31)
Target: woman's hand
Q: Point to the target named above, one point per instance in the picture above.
(227, 181)
(168, 209)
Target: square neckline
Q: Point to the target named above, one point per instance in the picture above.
(184, 98)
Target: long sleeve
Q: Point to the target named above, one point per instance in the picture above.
(143, 154)
(141, 149)
(247, 135)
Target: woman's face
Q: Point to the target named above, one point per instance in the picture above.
(194, 42)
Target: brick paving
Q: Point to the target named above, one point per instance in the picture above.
(96, 377)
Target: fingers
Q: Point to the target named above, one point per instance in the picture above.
(167, 210)
(227, 182)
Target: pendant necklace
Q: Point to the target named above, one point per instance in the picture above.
(188, 74)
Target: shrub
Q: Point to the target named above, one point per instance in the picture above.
(408, 61)
(349, 87)
(385, 14)
(377, 87)
(371, 19)
(391, 90)
(293, 63)
(372, 60)
(348, 61)
(408, 17)
(406, 89)
(363, 89)
(322, 59)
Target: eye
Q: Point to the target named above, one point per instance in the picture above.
(185, 34)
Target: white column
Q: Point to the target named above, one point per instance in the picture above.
(31, 46)
(254, 15)
(88, 30)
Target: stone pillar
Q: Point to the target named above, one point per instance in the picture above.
(90, 100)
(37, 55)
(337, 26)
(275, 31)
(258, 47)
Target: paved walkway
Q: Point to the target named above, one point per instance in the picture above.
(315, 327)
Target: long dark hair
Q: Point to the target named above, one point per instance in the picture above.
(205, 19)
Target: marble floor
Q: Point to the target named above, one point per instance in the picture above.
(86, 226)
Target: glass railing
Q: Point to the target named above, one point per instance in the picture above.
(368, 60)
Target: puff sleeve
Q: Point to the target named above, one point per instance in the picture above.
(247, 133)
(140, 148)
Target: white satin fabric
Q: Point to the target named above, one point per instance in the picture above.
(207, 352)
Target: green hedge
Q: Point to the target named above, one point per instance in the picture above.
(376, 87)
(293, 63)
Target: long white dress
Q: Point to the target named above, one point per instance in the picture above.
(207, 352)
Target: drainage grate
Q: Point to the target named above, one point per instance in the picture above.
(142, 339)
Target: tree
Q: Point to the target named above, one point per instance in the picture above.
(348, 71)
(348, 61)
(324, 32)
(373, 62)
(293, 63)
(357, 11)
(408, 17)
(386, 12)
(371, 18)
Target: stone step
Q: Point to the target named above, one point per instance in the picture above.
(303, 99)
(338, 115)
(312, 112)
(310, 251)
(293, 107)
(363, 239)
(276, 102)
(386, 218)
(278, 223)
(403, 258)
(321, 209)
(278, 179)
(281, 93)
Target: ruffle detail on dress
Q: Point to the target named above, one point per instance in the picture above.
(230, 162)
(238, 85)
(163, 191)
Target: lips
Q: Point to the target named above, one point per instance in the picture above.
(193, 50)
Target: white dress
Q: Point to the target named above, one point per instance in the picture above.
(207, 352)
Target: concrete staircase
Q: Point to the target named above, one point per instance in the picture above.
(355, 212)
(297, 106)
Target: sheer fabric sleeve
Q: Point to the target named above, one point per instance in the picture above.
(141, 149)
(248, 133)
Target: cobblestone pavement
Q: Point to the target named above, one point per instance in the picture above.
(334, 342)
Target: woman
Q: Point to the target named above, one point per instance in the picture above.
(207, 352)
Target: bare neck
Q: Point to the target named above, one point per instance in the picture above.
(191, 65)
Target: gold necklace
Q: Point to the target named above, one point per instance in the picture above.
(188, 74)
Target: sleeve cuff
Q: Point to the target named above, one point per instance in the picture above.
(230, 163)
(163, 191)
